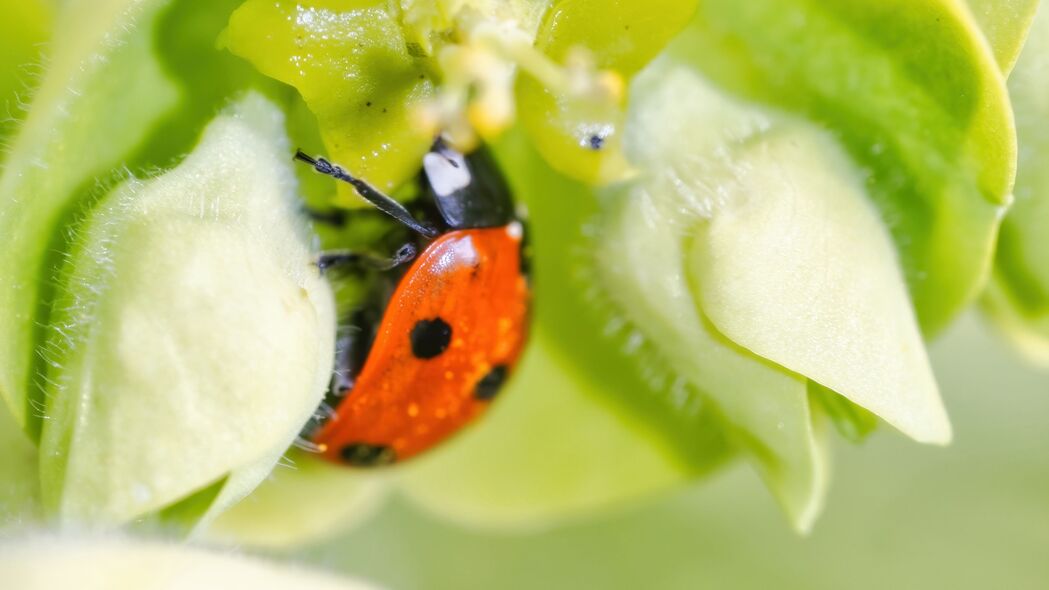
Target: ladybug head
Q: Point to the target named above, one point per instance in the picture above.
(469, 190)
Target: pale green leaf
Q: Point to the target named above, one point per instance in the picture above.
(686, 139)
(117, 563)
(619, 35)
(192, 337)
(796, 266)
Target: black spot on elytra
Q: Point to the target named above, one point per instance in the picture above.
(596, 142)
(367, 455)
(430, 338)
(490, 384)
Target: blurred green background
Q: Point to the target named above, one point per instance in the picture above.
(899, 515)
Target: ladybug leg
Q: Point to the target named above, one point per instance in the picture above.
(382, 202)
(352, 347)
(352, 344)
(359, 261)
(345, 372)
(332, 217)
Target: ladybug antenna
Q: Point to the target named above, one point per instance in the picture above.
(369, 193)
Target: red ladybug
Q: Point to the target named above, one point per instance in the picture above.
(451, 331)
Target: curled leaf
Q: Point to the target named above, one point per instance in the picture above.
(766, 409)
(193, 336)
(912, 91)
(687, 140)
(797, 267)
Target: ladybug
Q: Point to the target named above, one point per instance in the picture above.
(449, 332)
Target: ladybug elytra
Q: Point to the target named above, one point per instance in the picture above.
(414, 372)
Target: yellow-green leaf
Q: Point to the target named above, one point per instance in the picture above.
(24, 28)
(621, 35)
(350, 61)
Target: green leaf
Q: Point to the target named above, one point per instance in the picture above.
(350, 61)
(1018, 297)
(19, 482)
(311, 500)
(115, 563)
(101, 95)
(551, 448)
(185, 41)
(766, 408)
(192, 337)
(1005, 24)
(913, 93)
(24, 28)
(852, 422)
(622, 36)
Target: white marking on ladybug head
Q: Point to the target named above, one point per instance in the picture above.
(446, 172)
(515, 230)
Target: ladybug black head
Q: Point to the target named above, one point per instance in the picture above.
(469, 190)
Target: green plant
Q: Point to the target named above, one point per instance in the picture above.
(786, 199)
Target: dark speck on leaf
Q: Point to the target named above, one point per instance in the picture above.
(415, 50)
(596, 142)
